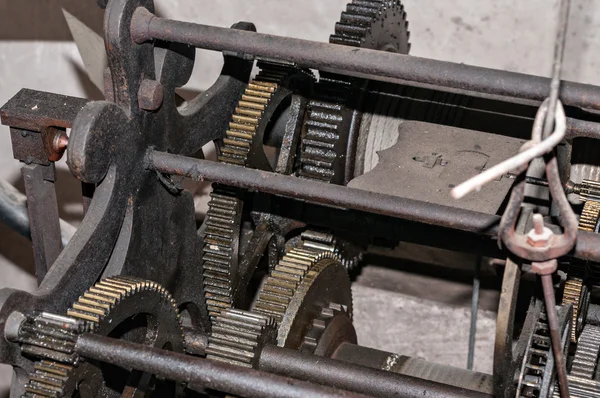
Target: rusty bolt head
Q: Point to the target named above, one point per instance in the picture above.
(544, 267)
(150, 95)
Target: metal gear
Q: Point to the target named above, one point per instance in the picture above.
(302, 283)
(238, 337)
(123, 307)
(379, 25)
(332, 327)
(350, 255)
(575, 292)
(242, 146)
(583, 367)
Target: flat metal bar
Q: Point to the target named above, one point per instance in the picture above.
(199, 372)
(349, 376)
(35, 110)
(43, 218)
(375, 65)
(321, 193)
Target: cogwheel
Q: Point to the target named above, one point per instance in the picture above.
(377, 25)
(243, 146)
(298, 287)
(123, 307)
(238, 337)
(332, 327)
(349, 254)
(581, 377)
(589, 216)
(575, 291)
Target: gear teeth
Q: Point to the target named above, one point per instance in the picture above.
(238, 336)
(281, 284)
(572, 295)
(318, 326)
(223, 219)
(220, 240)
(57, 335)
(349, 255)
(586, 355)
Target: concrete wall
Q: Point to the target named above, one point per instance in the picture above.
(36, 51)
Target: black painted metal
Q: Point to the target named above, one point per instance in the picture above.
(362, 379)
(371, 64)
(43, 218)
(200, 373)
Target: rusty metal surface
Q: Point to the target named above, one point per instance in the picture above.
(199, 372)
(35, 110)
(372, 64)
(428, 160)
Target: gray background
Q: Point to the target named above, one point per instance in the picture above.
(36, 51)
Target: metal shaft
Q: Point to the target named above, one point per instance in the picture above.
(379, 383)
(588, 243)
(559, 360)
(376, 65)
(474, 309)
(197, 371)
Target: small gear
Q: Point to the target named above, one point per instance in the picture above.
(349, 254)
(589, 216)
(124, 307)
(303, 282)
(574, 294)
(238, 337)
(327, 331)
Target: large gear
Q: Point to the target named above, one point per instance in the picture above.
(242, 146)
(238, 337)
(123, 307)
(583, 368)
(302, 283)
(378, 25)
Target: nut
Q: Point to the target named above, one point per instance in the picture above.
(544, 267)
(150, 95)
(539, 235)
(539, 239)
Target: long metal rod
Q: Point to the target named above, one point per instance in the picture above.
(474, 310)
(588, 243)
(354, 377)
(199, 372)
(327, 194)
(559, 360)
(376, 65)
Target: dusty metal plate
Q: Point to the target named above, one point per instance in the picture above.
(428, 160)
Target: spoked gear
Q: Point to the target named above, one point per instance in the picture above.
(302, 283)
(536, 377)
(243, 146)
(238, 337)
(332, 327)
(123, 307)
(330, 117)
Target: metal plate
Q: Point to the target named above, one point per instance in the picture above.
(428, 160)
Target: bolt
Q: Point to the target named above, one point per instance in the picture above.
(540, 235)
(12, 326)
(150, 95)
